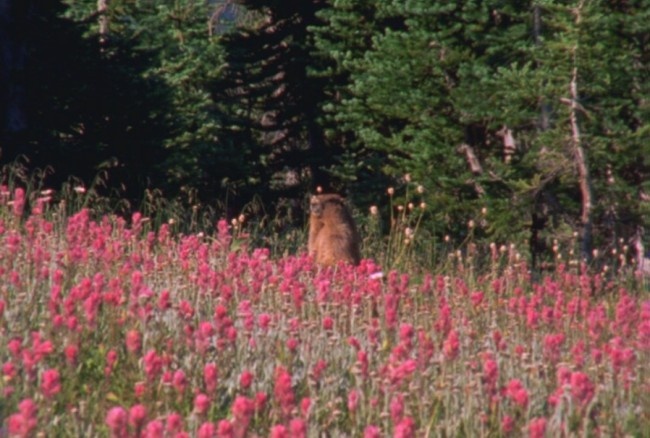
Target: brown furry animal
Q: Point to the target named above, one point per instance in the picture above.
(333, 235)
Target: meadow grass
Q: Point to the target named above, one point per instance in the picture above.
(149, 326)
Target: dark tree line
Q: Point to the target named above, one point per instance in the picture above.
(531, 117)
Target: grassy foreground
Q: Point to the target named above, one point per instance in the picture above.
(110, 329)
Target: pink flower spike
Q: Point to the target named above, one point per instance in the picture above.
(353, 400)
(210, 377)
(517, 393)
(154, 429)
(537, 427)
(225, 429)
(133, 341)
(451, 345)
(201, 404)
(246, 379)
(507, 424)
(371, 431)
(405, 428)
(397, 408)
(279, 431)
(206, 430)
(179, 381)
(298, 428)
(24, 422)
(137, 416)
(116, 420)
(174, 423)
(50, 383)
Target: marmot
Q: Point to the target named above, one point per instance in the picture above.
(333, 236)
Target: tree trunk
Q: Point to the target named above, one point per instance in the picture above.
(102, 10)
(579, 155)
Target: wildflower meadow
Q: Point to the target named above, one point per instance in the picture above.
(112, 327)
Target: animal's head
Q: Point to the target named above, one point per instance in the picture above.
(318, 203)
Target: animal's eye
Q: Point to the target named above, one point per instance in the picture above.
(315, 207)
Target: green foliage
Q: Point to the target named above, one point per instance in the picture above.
(440, 77)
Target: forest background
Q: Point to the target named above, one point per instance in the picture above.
(522, 122)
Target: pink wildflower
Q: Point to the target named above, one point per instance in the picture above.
(353, 400)
(397, 408)
(260, 401)
(406, 333)
(246, 379)
(328, 323)
(242, 409)
(133, 341)
(201, 404)
(116, 420)
(405, 428)
(552, 345)
(210, 376)
(9, 371)
(371, 431)
(264, 320)
(154, 429)
(516, 392)
(305, 406)
(283, 392)
(111, 358)
(582, 389)
(174, 423)
(139, 389)
(19, 201)
(137, 416)
(71, 352)
(451, 345)
(225, 429)
(537, 427)
(50, 383)
(292, 344)
(278, 431)
(298, 428)
(490, 372)
(507, 424)
(179, 381)
(206, 430)
(476, 298)
(25, 421)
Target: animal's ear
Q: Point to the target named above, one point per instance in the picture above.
(315, 206)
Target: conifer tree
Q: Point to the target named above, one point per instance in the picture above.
(276, 105)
